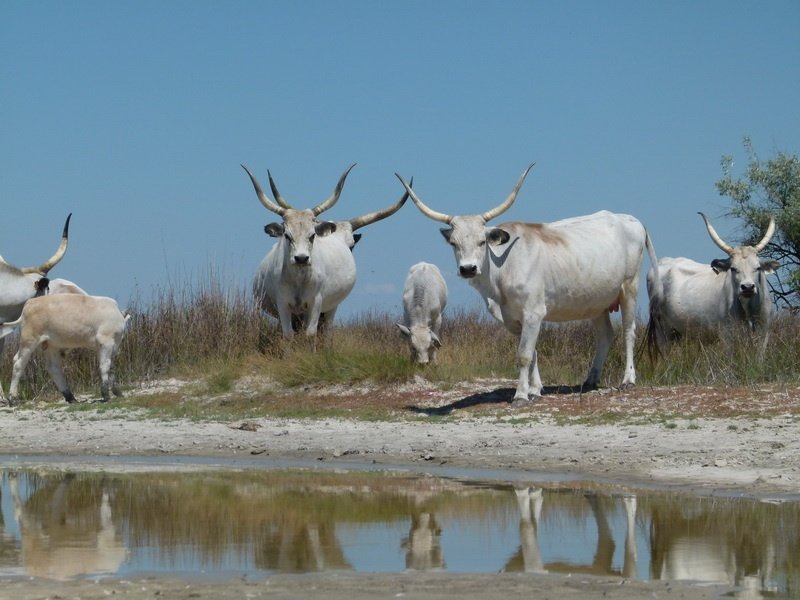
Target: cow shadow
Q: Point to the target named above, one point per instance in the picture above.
(498, 396)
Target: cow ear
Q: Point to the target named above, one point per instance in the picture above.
(496, 236)
(447, 232)
(356, 237)
(769, 266)
(721, 264)
(403, 329)
(325, 228)
(274, 229)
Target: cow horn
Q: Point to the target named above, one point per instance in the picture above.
(334, 197)
(715, 236)
(276, 194)
(498, 210)
(380, 214)
(53, 261)
(767, 236)
(268, 204)
(436, 216)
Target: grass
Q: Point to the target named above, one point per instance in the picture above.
(215, 334)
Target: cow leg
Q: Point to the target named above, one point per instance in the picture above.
(21, 359)
(313, 317)
(628, 309)
(105, 358)
(3, 400)
(54, 364)
(527, 361)
(604, 333)
(285, 318)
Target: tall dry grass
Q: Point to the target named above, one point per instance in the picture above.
(196, 330)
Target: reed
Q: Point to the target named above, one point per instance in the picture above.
(214, 332)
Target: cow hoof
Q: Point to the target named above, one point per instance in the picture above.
(519, 402)
(627, 386)
(588, 387)
(70, 398)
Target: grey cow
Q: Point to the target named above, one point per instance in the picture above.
(424, 300)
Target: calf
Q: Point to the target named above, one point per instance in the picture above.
(59, 322)
(424, 299)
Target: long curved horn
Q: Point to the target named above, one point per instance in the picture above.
(767, 236)
(334, 197)
(728, 249)
(436, 216)
(53, 260)
(506, 204)
(380, 214)
(268, 204)
(276, 194)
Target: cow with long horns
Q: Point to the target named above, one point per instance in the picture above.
(685, 294)
(528, 273)
(310, 270)
(18, 285)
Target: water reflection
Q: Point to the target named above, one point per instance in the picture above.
(65, 525)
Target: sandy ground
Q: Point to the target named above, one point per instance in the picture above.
(729, 441)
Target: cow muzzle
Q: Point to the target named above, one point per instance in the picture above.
(468, 271)
(748, 290)
(302, 259)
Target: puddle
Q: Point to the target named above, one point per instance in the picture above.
(197, 522)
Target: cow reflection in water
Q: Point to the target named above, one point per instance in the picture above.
(298, 547)
(423, 545)
(529, 557)
(691, 542)
(64, 534)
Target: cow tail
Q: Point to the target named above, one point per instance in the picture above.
(655, 326)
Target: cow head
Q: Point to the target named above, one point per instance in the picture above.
(468, 234)
(745, 267)
(299, 228)
(423, 341)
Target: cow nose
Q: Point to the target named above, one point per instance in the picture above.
(467, 270)
(748, 289)
(301, 259)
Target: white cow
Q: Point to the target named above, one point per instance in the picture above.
(579, 268)
(18, 285)
(60, 322)
(310, 270)
(685, 294)
(424, 300)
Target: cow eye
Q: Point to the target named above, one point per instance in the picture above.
(481, 244)
(288, 237)
(311, 237)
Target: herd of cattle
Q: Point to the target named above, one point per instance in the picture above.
(579, 268)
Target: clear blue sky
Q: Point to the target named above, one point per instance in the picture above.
(135, 117)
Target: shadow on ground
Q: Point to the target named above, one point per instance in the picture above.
(498, 396)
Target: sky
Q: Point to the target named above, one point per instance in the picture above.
(136, 116)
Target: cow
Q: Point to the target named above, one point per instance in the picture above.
(310, 270)
(59, 322)
(18, 285)
(685, 294)
(579, 268)
(424, 300)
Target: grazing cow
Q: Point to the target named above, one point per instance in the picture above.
(685, 294)
(424, 299)
(60, 322)
(579, 268)
(310, 270)
(17, 286)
